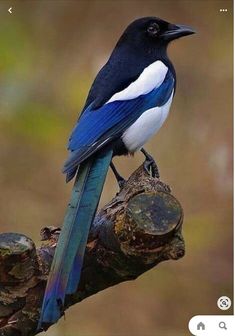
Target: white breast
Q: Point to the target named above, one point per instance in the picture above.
(146, 126)
(151, 77)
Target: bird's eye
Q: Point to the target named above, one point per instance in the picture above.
(153, 29)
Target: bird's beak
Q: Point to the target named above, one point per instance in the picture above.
(176, 31)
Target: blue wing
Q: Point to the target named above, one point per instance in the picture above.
(97, 128)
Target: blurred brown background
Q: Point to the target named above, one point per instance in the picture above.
(50, 52)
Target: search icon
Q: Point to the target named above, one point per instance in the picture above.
(222, 325)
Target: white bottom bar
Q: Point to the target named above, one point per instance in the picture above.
(212, 325)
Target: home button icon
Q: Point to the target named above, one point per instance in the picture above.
(201, 326)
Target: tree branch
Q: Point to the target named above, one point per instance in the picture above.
(138, 229)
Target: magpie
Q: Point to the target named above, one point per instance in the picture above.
(127, 104)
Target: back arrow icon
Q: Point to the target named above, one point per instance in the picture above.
(10, 10)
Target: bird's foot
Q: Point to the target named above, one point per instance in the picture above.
(151, 167)
(121, 182)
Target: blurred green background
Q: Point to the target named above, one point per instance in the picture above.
(50, 52)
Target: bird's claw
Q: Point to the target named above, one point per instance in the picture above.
(151, 167)
(121, 183)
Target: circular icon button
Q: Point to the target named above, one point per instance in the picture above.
(224, 303)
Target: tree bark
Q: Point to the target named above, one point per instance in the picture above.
(137, 230)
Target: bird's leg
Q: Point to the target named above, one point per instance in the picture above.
(150, 165)
(120, 180)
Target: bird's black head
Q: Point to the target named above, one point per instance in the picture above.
(152, 32)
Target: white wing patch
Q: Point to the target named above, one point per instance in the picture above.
(151, 78)
(146, 126)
